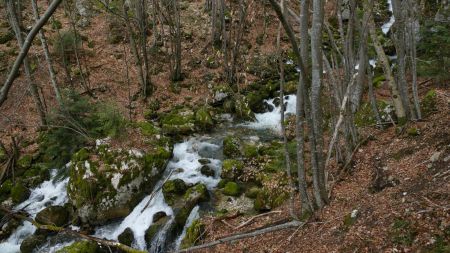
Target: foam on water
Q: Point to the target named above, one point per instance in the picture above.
(48, 193)
(271, 120)
(184, 165)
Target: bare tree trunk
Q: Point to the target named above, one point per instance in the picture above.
(320, 193)
(12, 15)
(300, 115)
(141, 12)
(413, 55)
(47, 55)
(399, 41)
(226, 69)
(372, 98)
(24, 50)
(239, 33)
(398, 105)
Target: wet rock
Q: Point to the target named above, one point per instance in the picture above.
(221, 93)
(173, 188)
(53, 215)
(8, 228)
(159, 215)
(207, 171)
(31, 243)
(204, 161)
(126, 237)
(154, 229)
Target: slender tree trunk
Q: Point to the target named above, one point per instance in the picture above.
(47, 55)
(319, 183)
(372, 98)
(300, 115)
(398, 105)
(413, 54)
(399, 35)
(12, 15)
(142, 19)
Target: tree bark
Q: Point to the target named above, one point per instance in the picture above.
(398, 105)
(43, 39)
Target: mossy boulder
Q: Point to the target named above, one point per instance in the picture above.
(194, 234)
(53, 215)
(19, 193)
(231, 147)
(173, 188)
(243, 110)
(154, 229)
(255, 101)
(203, 119)
(5, 188)
(252, 192)
(31, 243)
(106, 183)
(178, 122)
(207, 171)
(232, 189)
(80, 247)
(250, 150)
(232, 169)
(24, 162)
(126, 237)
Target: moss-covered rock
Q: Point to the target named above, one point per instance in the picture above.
(178, 122)
(24, 162)
(5, 188)
(126, 237)
(106, 183)
(207, 171)
(194, 234)
(80, 247)
(53, 215)
(232, 189)
(250, 151)
(173, 188)
(203, 119)
(31, 243)
(231, 147)
(252, 192)
(255, 101)
(19, 193)
(154, 229)
(232, 169)
(242, 108)
(221, 94)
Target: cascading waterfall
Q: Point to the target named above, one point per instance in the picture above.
(387, 26)
(48, 193)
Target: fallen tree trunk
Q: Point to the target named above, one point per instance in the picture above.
(107, 243)
(240, 236)
(25, 48)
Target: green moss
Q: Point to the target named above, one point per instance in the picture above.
(173, 188)
(19, 193)
(255, 101)
(232, 169)
(194, 233)
(429, 102)
(80, 247)
(197, 194)
(252, 192)
(53, 215)
(366, 117)
(203, 118)
(231, 147)
(413, 131)
(232, 189)
(24, 162)
(222, 183)
(126, 237)
(6, 187)
(250, 151)
(31, 243)
(178, 122)
(147, 128)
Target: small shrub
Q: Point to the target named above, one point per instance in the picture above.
(65, 43)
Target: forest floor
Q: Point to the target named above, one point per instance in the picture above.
(398, 188)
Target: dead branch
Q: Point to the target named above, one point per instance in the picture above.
(254, 217)
(104, 242)
(240, 236)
